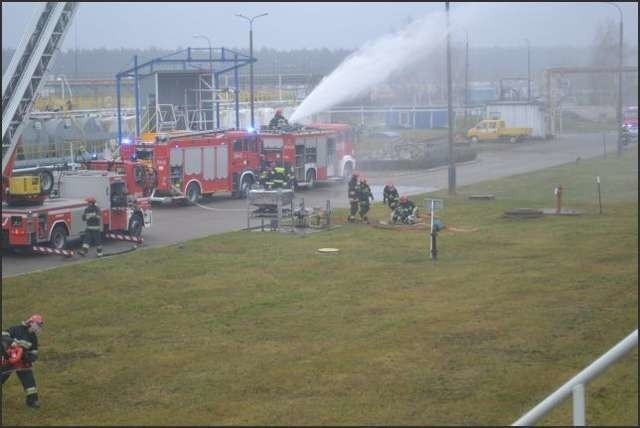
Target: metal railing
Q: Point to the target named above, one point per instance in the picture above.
(576, 386)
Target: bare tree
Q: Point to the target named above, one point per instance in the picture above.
(605, 54)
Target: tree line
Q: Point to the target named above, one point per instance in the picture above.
(485, 63)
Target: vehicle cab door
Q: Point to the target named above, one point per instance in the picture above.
(237, 155)
(481, 130)
(118, 205)
(251, 152)
(492, 130)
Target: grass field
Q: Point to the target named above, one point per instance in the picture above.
(252, 328)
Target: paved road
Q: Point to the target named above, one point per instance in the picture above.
(222, 214)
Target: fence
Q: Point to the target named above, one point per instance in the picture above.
(576, 386)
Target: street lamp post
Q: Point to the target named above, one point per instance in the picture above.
(619, 109)
(251, 59)
(466, 80)
(528, 70)
(452, 165)
(60, 79)
(196, 36)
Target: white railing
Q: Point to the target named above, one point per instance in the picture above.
(576, 385)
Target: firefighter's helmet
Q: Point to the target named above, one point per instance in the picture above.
(34, 322)
(91, 200)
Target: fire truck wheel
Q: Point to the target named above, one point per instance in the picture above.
(135, 225)
(46, 181)
(193, 193)
(311, 179)
(59, 237)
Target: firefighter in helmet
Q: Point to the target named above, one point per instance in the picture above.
(390, 196)
(281, 178)
(278, 121)
(405, 212)
(353, 197)
(22, 338)
(93, 231)
(364, 194)
(266, 174)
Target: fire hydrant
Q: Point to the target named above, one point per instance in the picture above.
(558, 193)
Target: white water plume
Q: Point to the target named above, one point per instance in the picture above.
(374, 62)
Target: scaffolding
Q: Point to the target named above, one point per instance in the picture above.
(210, 62)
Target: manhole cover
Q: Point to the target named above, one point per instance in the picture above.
(482, 197)
(552, 211)
(328, 250)
(523, 213)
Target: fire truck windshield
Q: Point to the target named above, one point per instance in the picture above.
(144, 154)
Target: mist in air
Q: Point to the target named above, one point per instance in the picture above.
(374, 62)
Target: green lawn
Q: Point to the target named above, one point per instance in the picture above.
(252, 328)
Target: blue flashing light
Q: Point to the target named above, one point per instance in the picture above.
(126, 141)
(250, 129)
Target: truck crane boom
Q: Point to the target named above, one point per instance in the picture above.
(24, 77)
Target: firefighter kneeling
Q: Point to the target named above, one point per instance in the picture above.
(19, 352)
(405, 213)
(93, 232)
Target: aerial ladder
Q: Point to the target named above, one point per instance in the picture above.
(24, 77)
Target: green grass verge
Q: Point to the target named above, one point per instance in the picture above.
(254, 328)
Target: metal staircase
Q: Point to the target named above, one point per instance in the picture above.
(25, 75)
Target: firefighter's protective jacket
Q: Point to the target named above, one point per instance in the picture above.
(404, 210)
(278, 122)
(24, 338)
(364, 193)
(390, 196)
(353, 190)
(92, 216)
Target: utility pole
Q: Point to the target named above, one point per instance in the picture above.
(619, 107)
(452, 165)
(251, 60)
(528, 70)
(466, 80)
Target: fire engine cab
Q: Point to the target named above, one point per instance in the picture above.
(323, 152)
(188, 165)
(58, 220)
(139, 177)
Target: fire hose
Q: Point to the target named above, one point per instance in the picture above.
(128, 250)
(221, 209)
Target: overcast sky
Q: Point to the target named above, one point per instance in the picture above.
(315, 25)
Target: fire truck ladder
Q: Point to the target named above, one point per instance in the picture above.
(29, 65)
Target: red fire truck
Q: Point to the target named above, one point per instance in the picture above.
(323, 152)
(188, 165)
(58, 220)
(139, 177)
(345, 137)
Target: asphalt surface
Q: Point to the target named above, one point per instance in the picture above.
(173, 224)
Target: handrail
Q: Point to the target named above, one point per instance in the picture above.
(576, 385)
